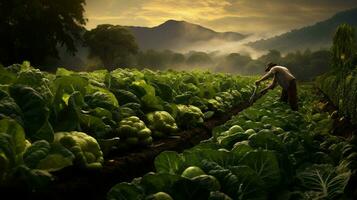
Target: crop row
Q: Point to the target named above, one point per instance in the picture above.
(266, 152)
(52, 121)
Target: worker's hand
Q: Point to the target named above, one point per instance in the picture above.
(257, 83)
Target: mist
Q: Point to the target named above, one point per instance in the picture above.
(224, 47)
(215, 55)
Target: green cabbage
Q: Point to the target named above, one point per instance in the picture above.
(85, 148)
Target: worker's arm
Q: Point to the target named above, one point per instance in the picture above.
(266, 76)
(273, 83)
(271, 86)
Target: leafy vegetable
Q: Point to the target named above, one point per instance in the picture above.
(124, 191)
(189, 116)
(84, 147)
(323, 182)
(159, 196)
(12, 145)
(35, 112)
(192, 172)
(161, 123)
(265, 152)
(44, 156)
(133, 132)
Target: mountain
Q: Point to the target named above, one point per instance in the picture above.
(178, 35)
(313, 37)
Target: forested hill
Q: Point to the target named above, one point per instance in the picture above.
(314, 37)
(176, 35)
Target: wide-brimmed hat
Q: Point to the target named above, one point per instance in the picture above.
(270, 65)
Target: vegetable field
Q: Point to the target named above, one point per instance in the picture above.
(142, 134)
(265, 152)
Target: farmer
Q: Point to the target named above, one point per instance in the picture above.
(285, 79)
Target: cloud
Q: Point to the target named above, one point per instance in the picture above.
(246, 16)
(276, 16)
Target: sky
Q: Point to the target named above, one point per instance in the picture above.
(260, 17)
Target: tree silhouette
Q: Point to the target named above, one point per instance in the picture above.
(199, 58)
(33, 29)
(112, 44)
(344, 47)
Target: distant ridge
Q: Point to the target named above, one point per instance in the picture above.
(176, 35)
(314, 37)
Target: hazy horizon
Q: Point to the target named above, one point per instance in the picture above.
(270, 18)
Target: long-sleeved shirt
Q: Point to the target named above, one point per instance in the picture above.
(282, 76)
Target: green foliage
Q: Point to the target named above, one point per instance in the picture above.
(37, 80)
(34, 178)
(207, 181)
(323, 182)
(198, 59)
(101, 99)
(125, 191)
(299, 161)
(304, 64)
(344, 47)
(33, 30)
(168, 162)
(132, 131)
(9, 108)
(161, 123)
(35, 112)
(159, 182)
(192, 172)
(216, 195)
(73, 116)
(12, 145)
(6, 77)
(189, 116)
(341, 90)
(228, 138)
(265, 164)
(159, 196)
(266, 139)
(341, 83)
(125, 97)
(112, 44)
(42, 155)
(232, 61)
(101, 107)
(84, 147)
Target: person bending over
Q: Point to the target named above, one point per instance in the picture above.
(282, 76)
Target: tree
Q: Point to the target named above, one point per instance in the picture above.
(33, 29)
(343, 53)
(114, 45)
(344, 47)
(178, 59)
(152, 59)
(199, 59)
(271, 56)
(234, 62)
